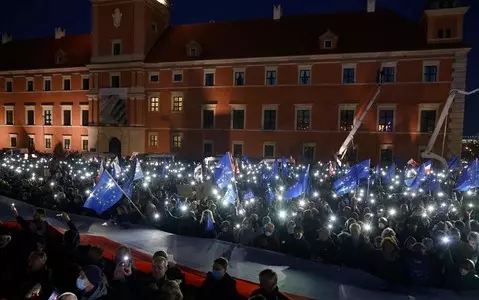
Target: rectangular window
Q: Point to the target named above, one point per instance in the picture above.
(239, 78)
(268, 150)
(209, 78)
(13, 140)
(207, 148)
(328, 44)
(238, 118)
(271, 77)
(66, 84)
(30, 117)
(304, 76)
(30, 85)
(237, 149)
(386, 154)
(349, 75)
(208, 118)
(309, 151)
(67, 117)
(154, 77)
(116, 48)
(154, 104)
(153, 140)
(31, 142)
(430, 73)
(67, 142)
(84, 143)
(177, 76)
(177, 141)
(346, 119)
(177, 103)
(115, 81)
(84, 117)
(47, 84)
(428, 121)
(85, 85)
(9, 116)
(47, 116)
(269, 119)
(48, 141)
(388, 74)
(303, 119)
(9, 85)
(386, 120)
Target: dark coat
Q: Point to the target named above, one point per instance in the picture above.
(275, 295)
(326, 251)
(224, 289)
(266, 242)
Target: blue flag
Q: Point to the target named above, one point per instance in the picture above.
(138, 173)
(300, 187)
(350, 181)
(248, 195)
(209, 224)
(390, 173)
(421, 176)
(453, 162)
(105, 194)
(223, 171)
(269, 194)
(469, 178)
(230, 195)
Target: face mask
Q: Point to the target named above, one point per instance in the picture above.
(81, 284)
(217, 274)
(267, 233)
(381, 226)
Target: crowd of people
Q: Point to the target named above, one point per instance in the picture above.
(407, 237)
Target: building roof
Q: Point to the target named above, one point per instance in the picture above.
(71, 51)
(357, 32)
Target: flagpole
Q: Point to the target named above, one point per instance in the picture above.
(125, 194)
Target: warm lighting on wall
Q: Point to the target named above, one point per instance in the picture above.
(164, 2)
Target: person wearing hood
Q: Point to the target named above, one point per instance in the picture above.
(92, 284)
(219, 285)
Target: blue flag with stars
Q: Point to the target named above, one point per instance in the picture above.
(224, 171)
(350, 181)
(105, 194)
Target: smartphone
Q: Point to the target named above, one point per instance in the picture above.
(53, 296)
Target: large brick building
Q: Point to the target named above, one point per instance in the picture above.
(288, 85)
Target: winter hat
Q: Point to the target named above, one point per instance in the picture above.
(93, 273)
(4, 240)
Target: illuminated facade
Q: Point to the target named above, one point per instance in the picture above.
(264, 88)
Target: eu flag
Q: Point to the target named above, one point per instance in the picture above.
(105, 194)
(350, 181)
(421, 176)
(224, 171)
(469, 178)
(300, 187)
(453, 162)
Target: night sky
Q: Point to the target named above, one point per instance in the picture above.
(38, 18)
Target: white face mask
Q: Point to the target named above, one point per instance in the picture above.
(267, 233)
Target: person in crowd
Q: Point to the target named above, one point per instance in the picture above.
(173, 272)
(465, 279)
(37, 225)
(207, 223)
(226, 233)
(157, 279)
(267, 240)
(171, 291)
(218, 285)
(324, 249)
(67, 296)
(246, 234)
(357, 244)
(299, 246)
(419, 266)
(268, 282)
(92, 284)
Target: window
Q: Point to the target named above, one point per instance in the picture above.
(440, 34)
(47, 115)
(237, 149)
(346, 118)
(154, 77)
(85, 85)
(305, 76)
(269, 118)
(177, 141)
(428, 120)
(67, 142)
(447, 34)
(8, 85)
(48, 141)
(239, 78)
(328, 44)
(268, 150)
(349, 73)
(66, 83)
(153, 139)
(193, 52)
(31, 141)
(430, 73)
(9, 114)
(177, 103)
(237, 118)
(13, 140)
(154, 27)
(154, 104)
(84, 116)
(84, 143)
(116, 48)
(386, 120)
(388, 74)
(29, 84)
(270, 77)
(207, 148)
(47, 84)
(386, 154)
(208, 118)
(67, 116)
(209, 78)
(30, 115)
(309, 150)
(303, 118)
(115, 81)
(177, 76)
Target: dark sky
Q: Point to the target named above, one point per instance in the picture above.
(38, 18)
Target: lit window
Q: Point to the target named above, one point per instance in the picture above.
(177, 103)
(386, 120)
(346, 119)
(153, 141)
(177, 141)
(303, 119)
(154, 104)
(48, 141)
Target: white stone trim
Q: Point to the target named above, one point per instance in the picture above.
(305, 68)
(209, 71)
(269, 144)
(155, 73)
(177, 72)
(269, 69)
(67, 137)
(237, 70)
(349, 66)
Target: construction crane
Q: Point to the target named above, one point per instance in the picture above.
(445, 112)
